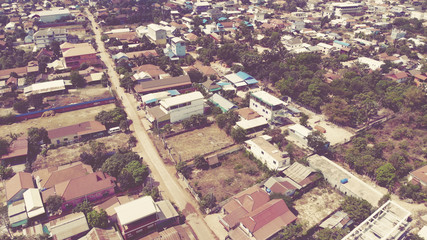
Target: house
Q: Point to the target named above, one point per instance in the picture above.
(44, 37)
(265, 104)
(301, 175)
(247, 114)
(90, 187)
(53, 15)
(17, 185)
(251, 215)
(292, 43)
(102, 234)
(222, 103)
(338, 220)
(143, 216)
(48, 177)
(325, 48)
(341, 8)
(399, 77)
(372, 63)
(17, 214)
(33, 203)
(267, 153)
(77, 132)
(183, 106)
(157, 34)
(340, 44)
(281, 185)
(71, 226)
(10, 26)
(240, 79)
(17, 152)
(176, 48)
(299, 132)
(419, 176)
(152, 70)
(210, 86)
(119, 56)
(199, 7)
(252, 125)
(145, 53)
(180, 82)
(77, 54)
(46, 88)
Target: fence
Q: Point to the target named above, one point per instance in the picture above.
(190, 188)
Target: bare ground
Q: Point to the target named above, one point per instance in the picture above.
(317, 204)
(59, 120)
(228, 179)
(200, 141)
(71, 153)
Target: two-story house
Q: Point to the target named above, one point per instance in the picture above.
(44, 37)
(267, 153)
(265, 104)
(157, 34)
(183, 106)
(77, 54)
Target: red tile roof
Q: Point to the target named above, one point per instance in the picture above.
(420, 174)
(49, 177)
(6, 72)
(77, 129)
(268, 219)
(21, 180)
(145, 53)
(85, 185)
(17, 148)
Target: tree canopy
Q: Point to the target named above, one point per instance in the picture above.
(357, 209)
(111, 118)
(115, 164)
(54, 203)
(97, 219)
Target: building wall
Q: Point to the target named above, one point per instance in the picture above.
(179, 49)
(75, 62)
(45, 40)
(262, 110)
(159, 36)
(91, 197)
(299, 136)
(264, 156)
(178, 114)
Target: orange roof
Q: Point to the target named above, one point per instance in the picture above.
(21, 180)
(85, 185)
(145, 53)
(77, 129)
(420, 174)
(6, 72)
(49, 177)
(17, 148)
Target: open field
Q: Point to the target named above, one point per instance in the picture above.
(78, 95)
(317, 204)
(236, 173)
(59, 120)
(200, 141)
(71, 153)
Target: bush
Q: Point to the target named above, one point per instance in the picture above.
(21, 106)
(7, 119)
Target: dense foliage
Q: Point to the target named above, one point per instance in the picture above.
(357, 209)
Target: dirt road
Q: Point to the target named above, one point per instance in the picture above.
(169, 185)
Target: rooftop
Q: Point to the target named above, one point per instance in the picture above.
(21, 180)
(267, 98)
(68, 226)
(135, 210)
(77, 129)
(180, 99)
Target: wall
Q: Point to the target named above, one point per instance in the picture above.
(263, 156)
(179, 114)
(260, 109)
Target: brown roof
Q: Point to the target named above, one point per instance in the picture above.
(268, 219)
(49, 177)
(145, 53)
(102, 234)
(21, 180)
(161, 84)
(44, 52)
(6, 72)
(420, 174)
(85, 185)
(71, 50)
(17, 148)
(124, 36)
(77, 129)
(153, 70)
(247, 113)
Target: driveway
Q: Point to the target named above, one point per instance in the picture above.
(169, 185)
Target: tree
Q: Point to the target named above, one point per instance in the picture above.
(4, 146)
(111, 118)
(291, 232)
(200, 162)
(357, 209)
(37, 135)
(138, 171)
(54, 203)
(77, 80)
(317, 141)
(386, 175)
(114, 164)
(5, 172)
(132, 141)
(35, 100)
(208, 202)
(331, 234)
(98, 219)
(195, 76)
(21, 106)
(84, 207)
(124, 125)
(303, 119)
(95, 155)
(238, 134)
(183, 168)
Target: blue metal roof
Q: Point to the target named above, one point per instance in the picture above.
(244, 75)
(204, 21)
(223, 83)
(173, 92)
(219, 25)
(342, 43)
(151, 101)
(222, 19)
(251, 81)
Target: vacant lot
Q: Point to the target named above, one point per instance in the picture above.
(71, 153)
(199, 141)
(59, 120)
(78, 95)
(317, 204)
(236, 173)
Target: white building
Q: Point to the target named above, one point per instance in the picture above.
(156, 33)
(325, 48)
(300, 132)
(267, 153)
(44, 37)
(10, 26)
(265, 104)
(33, 202)
(372, 63)
(183, 106)
(298, 25)
(52, 15)
(342, 8)
(397, 34)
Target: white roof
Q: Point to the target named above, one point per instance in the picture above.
(53, 12)
(324, 45)
(155, 27)
(184, 98)
(267, 98)
(45, 87)
(141, 75)
(222, 102)
(199, 4)
(177, 40)
(33, 202)
(158, 96)
(136, 210)
(423, 232)
(68, 226)
(253, 123)
(300, 129)
(233, 78)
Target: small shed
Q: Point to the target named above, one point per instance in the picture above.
(213, 160)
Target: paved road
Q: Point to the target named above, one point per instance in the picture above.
(169, 185)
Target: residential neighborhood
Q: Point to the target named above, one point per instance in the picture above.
(213, 119)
